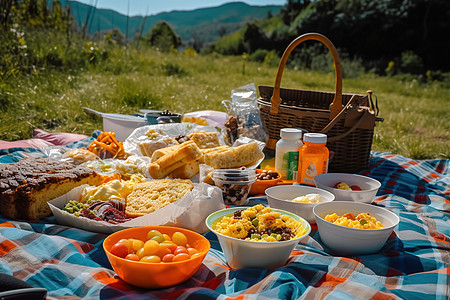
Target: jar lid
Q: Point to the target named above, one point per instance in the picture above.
(317, 138)
(291, 133)
(234, 174)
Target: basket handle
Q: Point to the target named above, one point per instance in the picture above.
(336, 105)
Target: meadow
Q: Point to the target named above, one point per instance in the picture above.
(416, 115)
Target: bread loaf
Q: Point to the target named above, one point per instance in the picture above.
(183, 154)
(163, 151)
(192, 168)
(234, 157)
(149, 196)
(205, 140)
(149, 147)
(26, 186)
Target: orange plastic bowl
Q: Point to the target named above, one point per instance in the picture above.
(155, 275)
(259, 186)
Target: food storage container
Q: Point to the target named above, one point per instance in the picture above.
(235, 184)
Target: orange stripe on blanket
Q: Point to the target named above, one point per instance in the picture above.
(104, 278)
(329, 280)
(382, 296)
(439, 237)
(225, 267)
(297, 252)
(7, 224)
(240, 297)
(6, 246)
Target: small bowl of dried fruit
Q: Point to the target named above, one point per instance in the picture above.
(264, 180)
(155, 256)
(349, 187)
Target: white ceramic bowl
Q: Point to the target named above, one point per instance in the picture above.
(353, 241)
(252, 254)
(369, 186)
(281, 197)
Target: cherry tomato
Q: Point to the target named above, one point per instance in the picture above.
(180, 249)
(151, 259)
(140, 253)
(166, 237)
(128, 243)
(355, 188)
(132, 256)
(170, 245)
(152, 233)
(137, 244)
(196, 255)
(192, 251)
(179, 238)
(163, 251)
(168, 258)
(180, 257)
(119, 249)
(151, 247)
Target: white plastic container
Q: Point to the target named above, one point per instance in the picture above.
(122, 125)
(286, 153)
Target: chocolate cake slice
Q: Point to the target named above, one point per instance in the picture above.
(27, 185)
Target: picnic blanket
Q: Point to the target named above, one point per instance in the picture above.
(414, 263)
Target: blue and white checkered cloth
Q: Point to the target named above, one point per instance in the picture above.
(414, 263)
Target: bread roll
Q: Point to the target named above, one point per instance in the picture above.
(234, 157)
(168, 163)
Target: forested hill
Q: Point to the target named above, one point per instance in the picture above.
(412, 33)
(207, 24)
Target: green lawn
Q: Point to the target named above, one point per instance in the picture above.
(416, 115)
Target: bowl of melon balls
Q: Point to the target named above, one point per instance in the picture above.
(155, 256)
(349, 187)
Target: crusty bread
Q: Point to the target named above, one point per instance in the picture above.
(149, 196)
(168, 163)
(234, 157)
(150, 146)
(163, 151)
(26, 186)
(186, 171)
(205, 140)
(192, 168)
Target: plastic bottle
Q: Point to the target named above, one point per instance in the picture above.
(286, 153)
(313, 158)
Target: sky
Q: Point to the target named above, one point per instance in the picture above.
(152, 7)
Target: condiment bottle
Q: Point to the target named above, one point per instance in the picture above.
(286, 153)
(313, 158)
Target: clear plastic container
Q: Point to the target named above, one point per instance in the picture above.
(313, 158)
(287, 151)
(235, 184)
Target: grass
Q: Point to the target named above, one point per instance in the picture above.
(416, 115)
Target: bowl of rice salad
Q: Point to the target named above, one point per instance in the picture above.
(353, 228)
(257, 236)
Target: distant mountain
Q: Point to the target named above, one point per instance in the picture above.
(204, 25)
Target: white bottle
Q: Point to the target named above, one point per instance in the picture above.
(286, 153)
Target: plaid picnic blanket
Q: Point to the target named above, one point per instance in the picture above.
(414, 263)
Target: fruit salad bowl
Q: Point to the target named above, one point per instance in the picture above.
(363, 188)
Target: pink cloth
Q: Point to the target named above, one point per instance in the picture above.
(58, 138)
(31, 143)
(44, 139)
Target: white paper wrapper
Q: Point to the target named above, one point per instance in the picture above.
(189, 212)
(166, 130)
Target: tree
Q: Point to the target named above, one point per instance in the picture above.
(163, 37)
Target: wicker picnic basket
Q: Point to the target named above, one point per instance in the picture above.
(347, 119)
